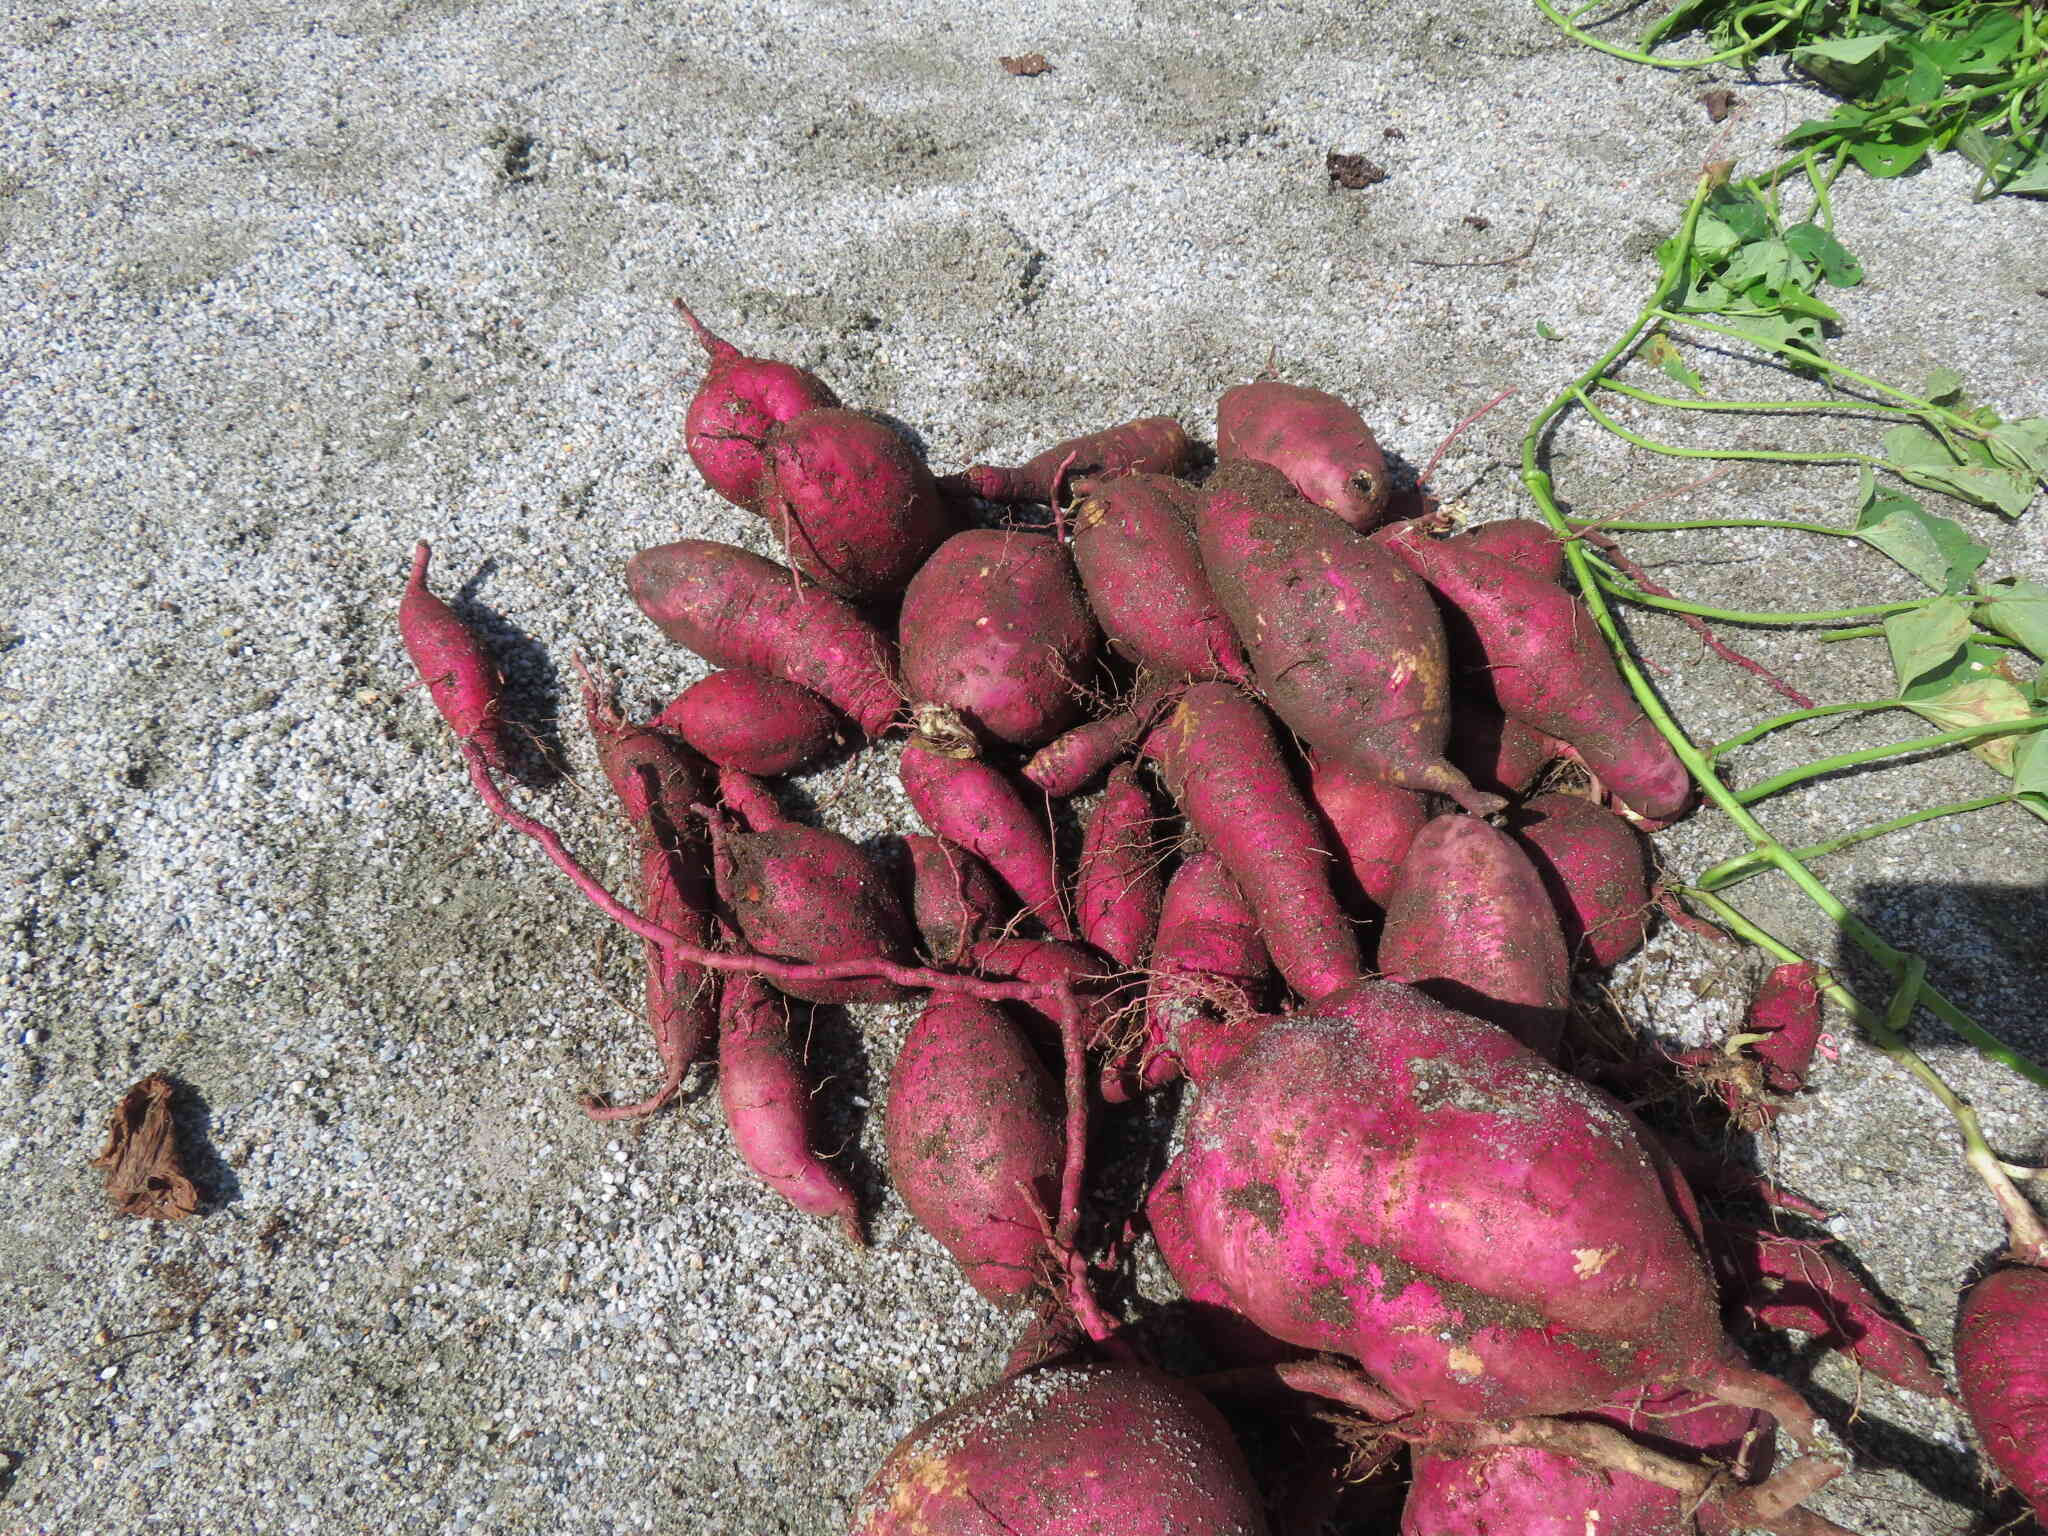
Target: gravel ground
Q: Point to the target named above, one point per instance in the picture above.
(288, 288)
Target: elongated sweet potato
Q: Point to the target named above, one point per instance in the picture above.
(975, 1143)
(1550, 668)
(1151, 445)
(1344, 640)
(1039, 961)
(856, 510)
(1118, 888)
(753, 722)
(1067, 1451)
(1321, 445)
(453, 663)
(1371, 823)
(1134, 547)
(971, 803)
(1066, 764)
(1596, 869)
(1222, 764)
(1469, 923)
(737, 610)
(994, 627)
(742, 400)
(2002, 1364)
(767, 1101)
(954, 898)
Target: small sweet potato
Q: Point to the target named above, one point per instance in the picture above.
(971, 803)
(1596, 868)
(2002, 1364)
(1118, 888)
(1321, 445)
(737, 610)
(1498, 753)
(753, 722)
(1065, 765)
(1151, 445)
(954, 898)
(452, 662)
(742, 400)
(855, 509)
(1372, 823)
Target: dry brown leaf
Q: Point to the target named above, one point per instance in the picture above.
(1352, 172)
(144, 1177)
(1026, 64)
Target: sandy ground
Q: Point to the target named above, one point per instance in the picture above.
(289, 287)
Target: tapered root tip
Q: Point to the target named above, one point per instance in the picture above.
(420, 555)
(716, 347)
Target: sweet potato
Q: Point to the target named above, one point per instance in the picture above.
(1066, 764)
(1119, 885)
(1319, 443)
(767, 1101)
(974, 1131)
(804, 893)
(1134, 547)
(459, 675)
(1497, 752)
(1067, 1451)
(1371, 823)
(994, 627)
(1596, 869)
(969, 802)
(2002, 1365)
(737, 610)
(1222, 765)
(856, 511)
(742, 400)
(1152, 445)
(1551, 669)
(1345, 641)
(1226, 1333)
(751, 721)
(1039, 961)
(954, 899)
(1521, 541)
(1469, 923)
(1493, 1240)
(1786, 1012)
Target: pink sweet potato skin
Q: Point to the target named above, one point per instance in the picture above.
(804, 893)
(1521, 1491)
(766, 1096)
(855, 509)
(1134, 547)
(1224, 1332)
(969, 802)
(753, 722)
(1521, 541)
(1786, 1011)
(1154, 445)
(1070, 761)
(1119, 886)
(2002, 1366)
(954, 898)
(737, 610)
(1039, 961)
(1596, 869)
(1371, 823)
(742, 400)
(1222, 765)
(1551, 669)
(1468, 922)
(1493, 1240)
(1103, 1450)
(994, 626)
(973, 1125)
(1497, 752)
(1345, 641)
(1319, 443)
(453, 663)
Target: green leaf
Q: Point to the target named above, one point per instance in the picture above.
(1713, 237)
(1893, 151)
(1742, 212)
(1816, 246)
(1926, 637)
(1543, 329)
(1782, 329)
(2022, 445)
(1916, 445)
(1766, 264)
(1935, 549)
(1841, 62)
(1665, 354)
(1974, 662)
(1942, 386)
(1986, 485)
(2030, 766)
(1983, 702)
(2019, 611)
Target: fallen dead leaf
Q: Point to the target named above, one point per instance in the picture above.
(144, 1177)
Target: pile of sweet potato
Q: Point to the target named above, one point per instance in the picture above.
(1362, 796)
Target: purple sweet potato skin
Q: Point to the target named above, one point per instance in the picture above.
(753, 722)
(1493, 1240)
(453, 664)
(1321, 445)
(1224, 1332)
(1372, 823)
(1521, 1491)
(766, 1097)
(1038, 961)
(1786, 1012)
(1134, 547)
(2002, 1366)
(1070, 761)
(856, 511)
(1154, 445)
(737, 610)
(1102, 1450)
(1222, 765)
(805, 893)
(1521, 541)
(1550, 668)
(1497, 752)
(969, 802)
(1468, 922)
(1345, 641)
(995, 627)
(973, 1126)
(1119, 886)
(954, 898)
(742, 400)
(1596, 869)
